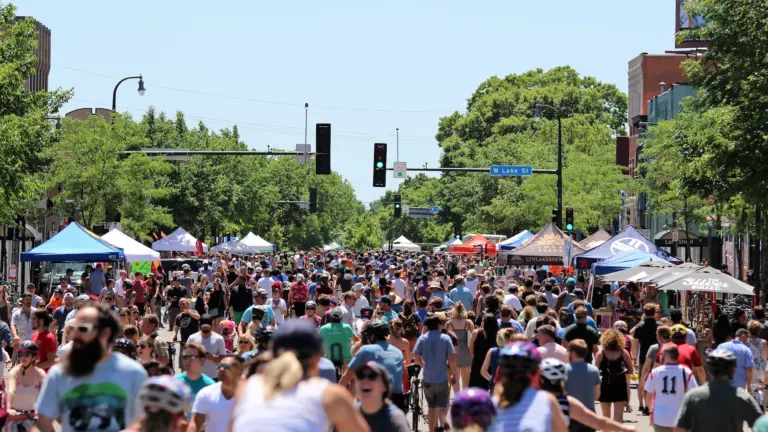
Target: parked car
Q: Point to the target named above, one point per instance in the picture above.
(52, 272)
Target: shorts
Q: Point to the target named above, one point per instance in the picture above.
(237, 316)
(657, 428)
(437, 395)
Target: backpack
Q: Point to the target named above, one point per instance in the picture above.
(410, 326)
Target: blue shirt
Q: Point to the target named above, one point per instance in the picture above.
(447, 302)
(462, 294)
(590, 311)
(744, 360)
(434, 348)
(511, 323)
(581, 382)
(197, 384)
(269, 315)
(386, 355)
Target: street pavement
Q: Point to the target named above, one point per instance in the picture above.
(634, 418)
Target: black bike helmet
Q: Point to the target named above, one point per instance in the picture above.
(721, 362)
(366, 312)
(125, 346)
(378, 328)
(28, 346)
(263, 335)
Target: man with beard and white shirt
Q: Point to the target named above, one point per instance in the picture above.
(213, 404)
(92, 388)
(213, 343)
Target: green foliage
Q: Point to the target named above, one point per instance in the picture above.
(24, 132)
(363, 232)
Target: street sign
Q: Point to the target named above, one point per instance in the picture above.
(399, 170)
(303, 148)
(434, 209)
(421, 213)
(406, 209)
(511, 170)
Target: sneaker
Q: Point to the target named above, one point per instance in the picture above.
(645, 411)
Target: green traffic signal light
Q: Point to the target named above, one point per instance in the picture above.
(379, 164)
(458, 236)
(397, 205)
(569, 227)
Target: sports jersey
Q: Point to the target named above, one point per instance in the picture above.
(669, 383)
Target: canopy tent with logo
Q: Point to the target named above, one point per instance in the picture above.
(628, 239)
(476, 244)
(403, 244)
(74, 243)
(595, 240)
(178, 241)
(625, 260)
(134, 251)
(643, 270)
(544, 248)
(514, 242)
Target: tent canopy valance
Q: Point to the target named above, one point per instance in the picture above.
(625, 260)
(544, 248)
(134, 251)
(178, 241)
(628, 239)
(74, 243)
(251, 243)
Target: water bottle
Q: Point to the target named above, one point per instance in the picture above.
(760, 394)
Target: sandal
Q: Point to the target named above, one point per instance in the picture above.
(628, 408)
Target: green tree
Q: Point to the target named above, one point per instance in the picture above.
(24, 132)
(363, 232)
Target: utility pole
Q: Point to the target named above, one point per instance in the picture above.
(559, 171)
(397, 132)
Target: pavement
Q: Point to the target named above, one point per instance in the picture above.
(634, 418)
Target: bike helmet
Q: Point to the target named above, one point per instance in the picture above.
(366, 312)
(263, 335)
(553, 370)
(311, 304)
(721, 362)
(378, 328)
(28, 346)
(520, 356)
(472, 406)
(125, 345)
(227, 324)
(165, 393)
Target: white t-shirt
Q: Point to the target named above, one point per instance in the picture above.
(360, 303)
(513, 301)
(669, 383)
(217, 409)
(119, 288)
(278, 308)
(399, 286)
(472, 285)
(213, 345)
(23, 323)
(265, 283)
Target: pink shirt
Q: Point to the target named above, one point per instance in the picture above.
(555, 351)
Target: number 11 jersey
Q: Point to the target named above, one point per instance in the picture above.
(669, 383)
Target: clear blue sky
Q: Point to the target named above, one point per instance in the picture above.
(365, 67)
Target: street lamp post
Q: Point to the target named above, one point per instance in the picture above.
(141, 90)
(559, 171)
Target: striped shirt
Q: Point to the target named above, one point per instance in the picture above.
(531, 414)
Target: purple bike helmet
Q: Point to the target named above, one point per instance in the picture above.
(472, 406)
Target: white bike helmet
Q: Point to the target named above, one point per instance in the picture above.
(553, 370)
(165, 393)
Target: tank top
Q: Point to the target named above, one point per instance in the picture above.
(24, 398)
(565, 407)
(532, 413)
(296, 410)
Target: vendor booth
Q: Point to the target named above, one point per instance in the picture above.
(134, 251)
(254, 241)
(544, 248)
(473, 246)
(403, 244)
(74, 243)
(514, 242)
(595, 240)
(178, 241)
(625, 260)
(627, 240)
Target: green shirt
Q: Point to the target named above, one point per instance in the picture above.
(337, 336)
(197, 384)
(717, 406)
(386, 317)
(761, 425)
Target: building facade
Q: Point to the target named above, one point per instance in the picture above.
(39, 81)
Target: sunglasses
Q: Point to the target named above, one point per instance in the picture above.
(142, 346)
(245, 342)
(109, 298)
(366, 375)
(190, 357)
(123, 314)
(83, 328)
(134, 312)
(224, 366)
(27, 354)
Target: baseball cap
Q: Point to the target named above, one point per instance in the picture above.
(578, 291)
(82, 298)
(384, 299)
(337, 313)
(69, 296)
(570, 281)
(357, 287)
(298, 336)
(260, 292)
(57, 290)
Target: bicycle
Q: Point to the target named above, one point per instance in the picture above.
(413, 397)
(337, 358)
(22, 421)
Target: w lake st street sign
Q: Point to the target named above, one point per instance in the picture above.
(511, 170)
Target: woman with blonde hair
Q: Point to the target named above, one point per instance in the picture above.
(462, 327)
(289, 396)
(615, 370)
(491, 362)
(527, 315)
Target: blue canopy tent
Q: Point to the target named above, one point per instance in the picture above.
(628, 239)
(74, 244)
(625, 260)
(514, 241)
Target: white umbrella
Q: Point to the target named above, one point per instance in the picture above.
(669, 274)
(707, 279)
(649, 268)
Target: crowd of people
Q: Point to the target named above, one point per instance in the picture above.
(322, 341)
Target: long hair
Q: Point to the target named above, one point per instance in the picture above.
(396, 328)
(459, 311)
(510, 389)
(490, 328)
(282, 373)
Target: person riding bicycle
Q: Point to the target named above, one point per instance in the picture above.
(337, 338)
(553, 377)
(472, 409)
(23, 386)
(383, 353)
(262, 336)
(125, 346)
(522, 406)
(165, 401)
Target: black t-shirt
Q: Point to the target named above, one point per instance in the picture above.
(175, 294)
(735, 325)
(645, 333)
(585, 332)
(240, 297)
(231, 276)
(346, 282)
(388, 419)
(187, 326)
(541, 274)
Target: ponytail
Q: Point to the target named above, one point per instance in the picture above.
(510, 390)
(282, 373)
(459, 311)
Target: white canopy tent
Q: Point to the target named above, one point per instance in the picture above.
(331, 247)
(178, 241)
(233, 246)
(403, 244)
(134, 251)
(256, 242)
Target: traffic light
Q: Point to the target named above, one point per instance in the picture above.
(398, 206)
(323, 148)
(554, 216)
(313, 200)
(568, 219)
(379, 165)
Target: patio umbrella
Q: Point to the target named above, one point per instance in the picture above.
(707, 279)
(668, 274)
(646, 269)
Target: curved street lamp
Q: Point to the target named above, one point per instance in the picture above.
(141, 89)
